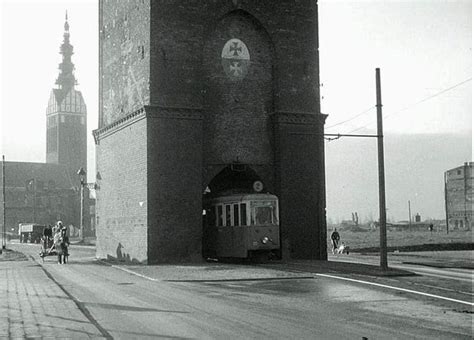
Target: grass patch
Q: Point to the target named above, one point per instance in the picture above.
(369, 241)
(11, 255)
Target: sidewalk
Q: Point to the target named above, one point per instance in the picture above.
(461, 259)
(34, 305)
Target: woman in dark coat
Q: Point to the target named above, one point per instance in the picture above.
(61, 243)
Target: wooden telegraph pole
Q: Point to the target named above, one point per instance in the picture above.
(382, 208)
(383, 211)
(409, 214)
(4, 241)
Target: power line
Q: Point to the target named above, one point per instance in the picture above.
(430, 97)
(416, 103)
(352, 118)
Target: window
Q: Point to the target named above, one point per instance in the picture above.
(228, 221)
(243, 214)
(236, 214)
(263, 215)
(62, 119)
(220, 221)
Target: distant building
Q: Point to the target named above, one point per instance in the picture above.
(417, 218)
(44, 193)
(39, 192)
(459, 196)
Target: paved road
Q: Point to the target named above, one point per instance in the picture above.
(213, 301)
(443, 273)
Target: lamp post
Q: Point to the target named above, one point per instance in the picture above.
(82, 175)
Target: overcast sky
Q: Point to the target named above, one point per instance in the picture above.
(424, 50)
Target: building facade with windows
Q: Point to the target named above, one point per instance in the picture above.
(459, 196)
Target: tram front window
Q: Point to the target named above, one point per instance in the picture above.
(263, 215)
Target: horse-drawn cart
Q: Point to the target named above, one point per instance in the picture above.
(47, 243)
(55, 243)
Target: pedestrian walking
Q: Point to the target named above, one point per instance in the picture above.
(335, 240)
(61, 243)
(64, 245)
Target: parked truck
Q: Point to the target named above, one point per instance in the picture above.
(30, 232)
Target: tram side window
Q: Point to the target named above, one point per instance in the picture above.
(220, 220)
(236, 214)
(227, 215)
(243, 214)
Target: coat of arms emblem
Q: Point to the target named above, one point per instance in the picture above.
(235, 59)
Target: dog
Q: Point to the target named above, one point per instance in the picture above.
(343, 249)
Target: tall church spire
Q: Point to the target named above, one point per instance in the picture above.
(66, 79)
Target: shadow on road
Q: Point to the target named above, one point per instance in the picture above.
(127, 308)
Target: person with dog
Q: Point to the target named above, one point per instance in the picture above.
(335, 240)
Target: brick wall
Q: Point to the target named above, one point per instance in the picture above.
(301, 185)
(237, 124)
(124, 58)
(174, 184)
(186, 71)
(122, 198)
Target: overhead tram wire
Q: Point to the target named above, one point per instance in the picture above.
(401, 110)
(352, 118)
(430, 97)
(337, 136)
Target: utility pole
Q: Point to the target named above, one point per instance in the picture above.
(409, 214)
(82, 214)
(34, 200)
(82, 175)
(4, 243)
(382, 208)
(446, 201)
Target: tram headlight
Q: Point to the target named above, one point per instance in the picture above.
(265, 240)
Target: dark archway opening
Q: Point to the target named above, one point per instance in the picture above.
(234, 178)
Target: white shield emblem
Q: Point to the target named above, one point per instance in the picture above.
(235, 59)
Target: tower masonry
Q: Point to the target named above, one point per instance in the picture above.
(203, 95)
(66, 116)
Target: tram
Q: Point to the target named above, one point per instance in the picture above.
(241, 226)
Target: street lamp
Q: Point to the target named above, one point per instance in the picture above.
(82, 175)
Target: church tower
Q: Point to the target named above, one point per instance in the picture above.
(66, 116)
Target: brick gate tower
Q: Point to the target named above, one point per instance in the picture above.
(193, 92)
